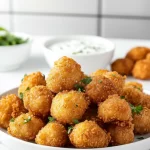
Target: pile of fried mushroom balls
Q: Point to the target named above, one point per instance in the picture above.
(71, 109)
(136, 63)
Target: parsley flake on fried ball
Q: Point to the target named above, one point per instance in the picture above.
(67, 106)
(64, 75)
(114, 109)
(38, 101)
(141, 121)
(53, 134)
(30, 81)
(138, 53)
(88, 134)
(121, 135)
(100, 88)
(10, 107)
(25, 127)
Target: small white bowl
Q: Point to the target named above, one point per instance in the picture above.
(88, 62)
(13, 56)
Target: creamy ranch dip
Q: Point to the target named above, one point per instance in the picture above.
(77, 47)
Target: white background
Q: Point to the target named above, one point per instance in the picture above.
(108, 18)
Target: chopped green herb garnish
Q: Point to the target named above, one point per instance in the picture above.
(21, 96)
(86, 80)
(27, 120)
(27, 89)
(136, 109)
(140, 138)
(100, 81)
(79, 87)
(70, 128)
(122, 97)
(23, 77)
(51, 119)
(78, 52)
(138, 88)
(12, 119)
(7, 38)
(75, 121)
(113, 75)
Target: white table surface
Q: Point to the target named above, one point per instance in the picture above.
(36, 62)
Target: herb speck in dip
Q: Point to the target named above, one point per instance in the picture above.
(78, 47)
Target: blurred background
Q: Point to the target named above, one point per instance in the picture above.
(107, 18)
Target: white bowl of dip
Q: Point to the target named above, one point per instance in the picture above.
(91, 52)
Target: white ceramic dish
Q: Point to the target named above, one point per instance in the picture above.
(89, 62)
(16, 144)
(12, 57)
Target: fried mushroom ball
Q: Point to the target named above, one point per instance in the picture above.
(141, 121)
(136, 97)
(141, 69)
(121, 135)
(114, 109)
(88, 134)
(138, 53)
(99, 72)
(67, 106)
(38, 101)
(64, 75)
(53, 134)
(117, 79)
(30, 81)
(134, 84)
(148, 56)
(123, 66)
(10, 107)
(99, 89)
(25, 127)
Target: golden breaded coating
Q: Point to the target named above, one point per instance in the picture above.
(99, 72)
(121, 135)
(133, 95)
(67, 106)
(123, 66)
(136, 97)
(148, 56)
(88, 134)
(53, 134)
(10, 107)
(142, 121)
(141, 69)
(38, 101)
(99, 89)
(30, 81)
(114, 109)
(117, 79)
(134, 84)
(64, 75)
(138, 53)
(25, 127)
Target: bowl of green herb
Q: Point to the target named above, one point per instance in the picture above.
(14, 49)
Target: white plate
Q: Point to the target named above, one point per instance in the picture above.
(16, 144)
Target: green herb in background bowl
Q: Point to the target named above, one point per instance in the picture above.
(7, 38)
(15, 48)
